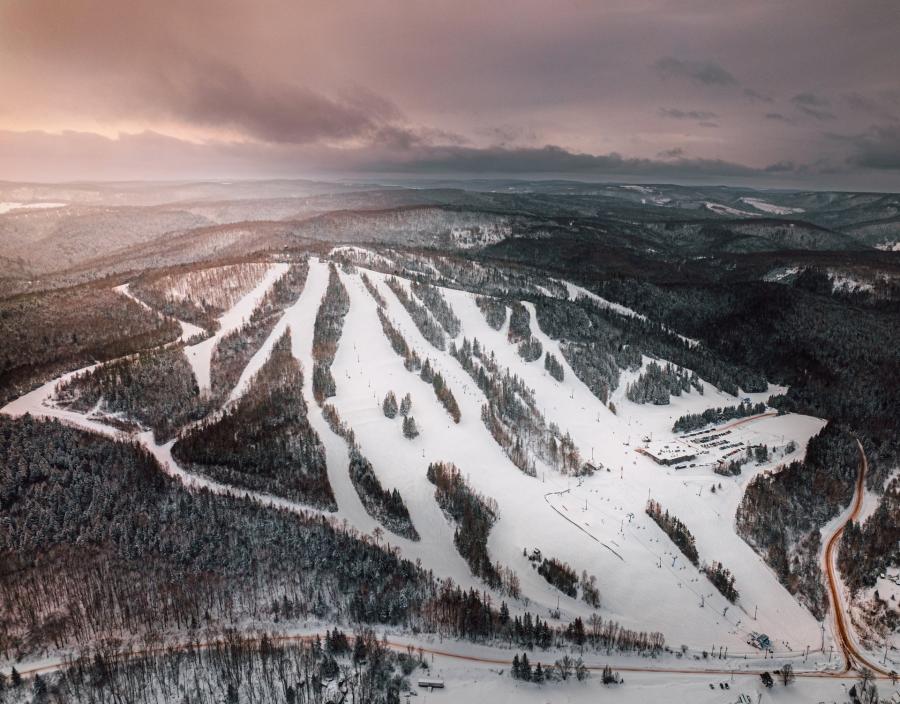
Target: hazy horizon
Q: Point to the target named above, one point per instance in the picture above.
(649, 91)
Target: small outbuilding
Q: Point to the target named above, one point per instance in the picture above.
(431, 683)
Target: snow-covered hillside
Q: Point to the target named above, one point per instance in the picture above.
(596, 524)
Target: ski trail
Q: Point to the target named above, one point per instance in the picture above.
(200, 355)
(525, 519)
(365, 369)
(188, 330)
(575, 291)
(300, 318)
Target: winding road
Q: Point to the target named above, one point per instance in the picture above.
(854, 657)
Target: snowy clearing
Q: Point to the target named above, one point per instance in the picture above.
(771, 207)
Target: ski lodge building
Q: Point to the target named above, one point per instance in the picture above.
(669, 452)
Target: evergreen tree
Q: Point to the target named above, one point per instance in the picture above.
(405, 405)
(39, 690)
(525, 668)
(359, 650)
(410, 430)
(553, 367)
(389, 406)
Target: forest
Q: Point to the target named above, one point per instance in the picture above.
(198, 295)
(438, 306)
(493, 309)
(265, 668)
(657, 383)
(46, 334)
(781, 512)
(88, 521)
(716, 416)
(598, 343)
(430, 329)
(264, 441)
(156, 389)
(868, 549)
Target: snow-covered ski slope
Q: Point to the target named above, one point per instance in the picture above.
(596, 524)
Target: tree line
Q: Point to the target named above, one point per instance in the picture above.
(326, 333)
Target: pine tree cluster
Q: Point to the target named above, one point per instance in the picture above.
(430, 329)
(326, 333)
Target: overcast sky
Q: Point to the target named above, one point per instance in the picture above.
(789, 93)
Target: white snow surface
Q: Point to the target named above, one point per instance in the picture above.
(765, 207)
(8, 207)
(844, 281)
(728, 210)
(782, 273)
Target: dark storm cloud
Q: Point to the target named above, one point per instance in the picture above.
(757, 96)
(783, 167)
(674, 153)
(813, 105)
(705, 72)
(677, 114)
(551, 159)
(219, 95)
(885, 106)
(778, 117)
(71, 153)
(876, 148)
